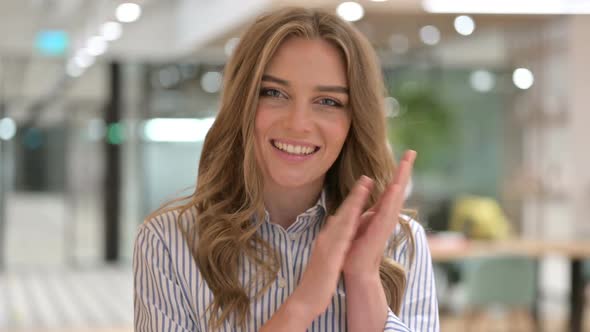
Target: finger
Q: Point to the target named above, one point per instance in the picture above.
(367, 215)
(405, 167)
(342, 226)
(408, 158)
(391, 213)
(391, 201)
(397, 197)
(365, 223)
(405, 172)
(352, 206)
(410, 155)
(375, 207)
(387, 218)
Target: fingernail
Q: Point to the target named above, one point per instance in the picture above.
(365, 180)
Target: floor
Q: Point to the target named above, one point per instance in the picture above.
(500, 324)
(80, 299)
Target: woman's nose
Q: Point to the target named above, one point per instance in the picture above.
(299, 117)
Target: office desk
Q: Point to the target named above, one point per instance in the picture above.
(576, 251)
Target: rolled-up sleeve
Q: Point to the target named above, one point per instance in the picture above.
(159, 302)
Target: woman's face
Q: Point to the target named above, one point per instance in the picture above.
(303, 117)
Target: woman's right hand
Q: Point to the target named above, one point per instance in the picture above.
(320, 279)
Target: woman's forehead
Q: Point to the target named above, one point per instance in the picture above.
(303, 60)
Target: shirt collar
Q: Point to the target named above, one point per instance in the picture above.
(308, 218)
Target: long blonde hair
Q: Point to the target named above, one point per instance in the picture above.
(228, 196)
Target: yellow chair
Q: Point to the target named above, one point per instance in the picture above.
(479, 218)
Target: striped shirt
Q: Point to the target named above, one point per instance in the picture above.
(171, 295)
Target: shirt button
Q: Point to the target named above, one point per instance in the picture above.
(293, 236)
(282, 283)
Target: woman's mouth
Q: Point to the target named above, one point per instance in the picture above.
(295, 149)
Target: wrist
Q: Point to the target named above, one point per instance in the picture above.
(299, 310)
(365, 297)
(363, 279)
(292, 315)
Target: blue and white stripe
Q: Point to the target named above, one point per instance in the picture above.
(171, 295)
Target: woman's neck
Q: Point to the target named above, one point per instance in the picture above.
(285, 204)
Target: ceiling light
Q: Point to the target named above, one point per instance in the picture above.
(464, 25)
(111, 31)
(96, 46)
(231, 45)
(482, 80)
(508, 6)
(128, 12)
(350, 11)
(430, 35)
(73, 70)
(211, 81)
(169, 76)
(83, 59)
(7, 129)
(523, 78)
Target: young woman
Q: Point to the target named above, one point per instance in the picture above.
(295, 222)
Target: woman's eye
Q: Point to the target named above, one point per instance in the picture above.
(268, 92)
(330, 102)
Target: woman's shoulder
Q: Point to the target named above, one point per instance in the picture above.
(404, 244)
(168, 223)
(414, 225)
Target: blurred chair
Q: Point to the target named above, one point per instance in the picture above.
(505, 282)
(479, 218)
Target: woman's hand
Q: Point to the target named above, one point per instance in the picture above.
(377, 224)
(365, 298)
(320, 279)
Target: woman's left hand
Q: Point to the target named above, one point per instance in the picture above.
(377, 224)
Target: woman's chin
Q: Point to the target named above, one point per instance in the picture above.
(292, 182)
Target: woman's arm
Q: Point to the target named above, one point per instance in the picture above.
(158, 301)
(367, 306)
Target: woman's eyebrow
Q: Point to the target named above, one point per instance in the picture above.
(320, 88)
(271, 78)
(332, 88)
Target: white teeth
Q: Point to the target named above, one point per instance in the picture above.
(294, 149)
(290, 148)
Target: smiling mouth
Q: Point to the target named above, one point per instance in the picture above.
(296, 150)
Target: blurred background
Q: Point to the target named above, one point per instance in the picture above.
(104, 106)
